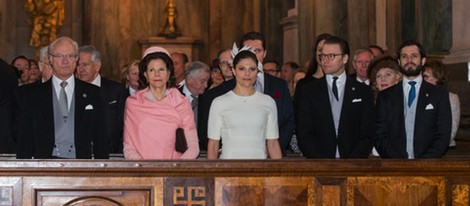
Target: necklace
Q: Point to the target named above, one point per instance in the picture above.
(244, 98)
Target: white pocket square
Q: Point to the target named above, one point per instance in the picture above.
(429, 107)
(89, 107)
(112, 102)
(357, 100)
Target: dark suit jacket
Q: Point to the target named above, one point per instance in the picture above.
(315, 126)
(36, 134)
(274, 87)
(8, 86)
(114, 97)
(432, 125)
(181, 90)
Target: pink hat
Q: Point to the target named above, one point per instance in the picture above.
(155, 49)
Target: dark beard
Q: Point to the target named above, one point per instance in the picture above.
(410, 72)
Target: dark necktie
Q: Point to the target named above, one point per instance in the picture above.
(194, 102)
(412, 94)
(63, 99)
(335, 88)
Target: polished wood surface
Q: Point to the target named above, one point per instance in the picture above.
(235, 182)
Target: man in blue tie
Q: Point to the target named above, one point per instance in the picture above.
(413, 117)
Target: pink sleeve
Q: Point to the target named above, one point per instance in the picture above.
(130, 153)
(188, 125)
(129, 150)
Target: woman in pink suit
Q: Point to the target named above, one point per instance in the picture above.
(155, 112)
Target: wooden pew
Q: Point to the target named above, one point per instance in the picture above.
(203, 182)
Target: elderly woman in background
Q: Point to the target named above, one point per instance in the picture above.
(384, 72)
(155, 112)
(435, 72)
(243, 118)
(130, 76)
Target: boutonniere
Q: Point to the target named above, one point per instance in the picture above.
(277, 95)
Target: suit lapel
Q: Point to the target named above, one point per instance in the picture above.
(267, 85)
(80, 96)
(324, 99)
(181, 90)
(398, 100)
(48, 111)
(422, 101)
(349, 95)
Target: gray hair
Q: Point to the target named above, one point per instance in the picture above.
(362, 50)
(197, 67)
(95, 54)
(60, 39)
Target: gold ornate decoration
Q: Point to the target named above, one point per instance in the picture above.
(169, 29)
(47, 18)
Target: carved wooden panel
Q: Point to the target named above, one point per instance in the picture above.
(458, 191)
(330, 191)
(293, 191)
(10, 191)
(401, 191)
(188, 191)
(73, 191)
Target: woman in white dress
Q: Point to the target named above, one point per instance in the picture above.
(245, 120)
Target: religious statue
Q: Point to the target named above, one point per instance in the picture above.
(47, 17)
(169, 29)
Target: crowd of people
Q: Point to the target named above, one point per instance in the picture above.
(241, 106)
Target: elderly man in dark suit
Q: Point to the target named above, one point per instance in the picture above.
(413, 117)
(336, 113)
(62, 118)
(272, 86)
(113, 94)
(195, 83)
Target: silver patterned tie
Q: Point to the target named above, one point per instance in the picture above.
(63, 99)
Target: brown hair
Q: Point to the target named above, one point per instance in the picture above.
(438, 70)
(382, 62)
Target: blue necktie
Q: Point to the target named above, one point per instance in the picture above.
(335, 88)
(412, 94)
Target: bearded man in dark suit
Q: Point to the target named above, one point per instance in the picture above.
(414, 118)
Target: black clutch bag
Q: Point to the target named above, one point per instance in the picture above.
(180, 143)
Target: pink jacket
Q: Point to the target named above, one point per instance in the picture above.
(150, 127)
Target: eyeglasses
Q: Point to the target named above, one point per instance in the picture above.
(61, 57)
(329, 56)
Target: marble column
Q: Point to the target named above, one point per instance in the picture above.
(460, 51)
(290, 27)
